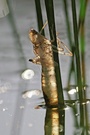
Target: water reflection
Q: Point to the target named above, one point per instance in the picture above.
(4, 86)
(54, 121)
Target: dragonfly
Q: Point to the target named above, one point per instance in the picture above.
(43, 50)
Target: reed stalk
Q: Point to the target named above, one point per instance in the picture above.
(51, 22)
(78, 62)
(71, 68)
(81, 31)
(39, 16)
(80, 28)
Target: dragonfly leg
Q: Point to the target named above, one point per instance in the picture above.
(35, 60)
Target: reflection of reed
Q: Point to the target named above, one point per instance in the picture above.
(54, 121)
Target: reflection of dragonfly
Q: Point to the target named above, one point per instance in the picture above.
(43, 50)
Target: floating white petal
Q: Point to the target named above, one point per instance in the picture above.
(30, 93)
(72, 91)
(28, 74)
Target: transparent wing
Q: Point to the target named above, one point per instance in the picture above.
(62, 48)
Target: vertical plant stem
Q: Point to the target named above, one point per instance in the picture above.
(77, 56)
(52, 30)
(81, 30)
(71, 70)
(82, 14)
(39, 16)
(67, 22)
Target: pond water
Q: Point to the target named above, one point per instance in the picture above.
(22, 106)
(24, 114)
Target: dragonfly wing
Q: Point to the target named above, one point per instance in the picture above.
(62, 49)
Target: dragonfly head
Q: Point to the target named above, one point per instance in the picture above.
(33, 31)
(35, 37)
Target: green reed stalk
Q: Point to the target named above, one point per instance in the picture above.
(83, 6)
(81, 30)
(67, 22)
(52, 30)
(39, 16)
(71, 70)
(78, 62)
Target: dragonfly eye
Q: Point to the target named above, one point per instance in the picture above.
(33, 31)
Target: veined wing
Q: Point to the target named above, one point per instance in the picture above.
(62, 48)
